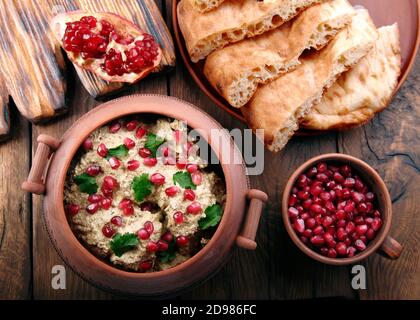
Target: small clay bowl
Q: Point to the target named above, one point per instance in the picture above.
(383, 242)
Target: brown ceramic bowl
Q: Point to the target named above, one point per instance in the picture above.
(236, 226)
(390, 247)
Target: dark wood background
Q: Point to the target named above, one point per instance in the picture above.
(276, 270)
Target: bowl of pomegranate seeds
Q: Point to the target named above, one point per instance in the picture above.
(133, 204)
(337, 210)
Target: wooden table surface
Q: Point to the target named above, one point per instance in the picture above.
(276, 270)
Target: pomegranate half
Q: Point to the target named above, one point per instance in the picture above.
(106, 44)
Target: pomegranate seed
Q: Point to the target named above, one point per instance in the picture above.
(110, 183)
(171, 191)
(307, 204)
(88, 144)
(362, 208)
(329, 206)
(305, 216)
(331, 185)
(132, 165)
(152, 247)
(370, 196)
(346, 194)
(146, 265)
(360, 245)
(368, 221)
(340, 214)
(318, 230)
(310, 223)
(345, 170)
(316, 209)
(182, 241)
(302, 181)
(359, 220)
(140, 132)
(108, 231)
(338, 177)
(92, 208)
(308, 233)
(142, 234)
(349, 207)
(349, 183)
(181, 165)
(114, 163)
(162, 245)
(293, 200)
(117, 221)
(357, 197)
(350, 227)
(178, 217)
(191, 167)
(370, 234)
(363, 238)
(148, 226)
(376, 224)
(359, 186)
(130, 144)
(376, 214)
(95, 198)
(351, 251)
(321, 167)
(145, 153)
(341, 234)
(167, 236)
(325, 196)
(300, 209)
(73, 209)
(115, 127)
(157, 179)
(293, 212)
(131, 125)
(126, 205)
(323, 251)
(328, 237)
(150, 162)
(322, 177)
(93, 170)
(332, 253)
(327, 221)
(341, 223)
(299, 225)
(347, 241)
(197, 178)
(102, 150)
(317, 240)
(316, 190)
(303, 195)
(194, 208)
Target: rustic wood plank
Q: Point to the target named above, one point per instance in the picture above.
(144, 13)
(15, 216)
(4, 112)
(390, 144)
(28, 61)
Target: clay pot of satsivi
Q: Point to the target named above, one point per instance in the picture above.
(382, 242)
(238, 225)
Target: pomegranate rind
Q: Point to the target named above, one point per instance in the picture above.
(123, 26)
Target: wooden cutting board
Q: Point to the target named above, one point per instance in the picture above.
(32, 63)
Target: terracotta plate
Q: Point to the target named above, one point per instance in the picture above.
(383, 12)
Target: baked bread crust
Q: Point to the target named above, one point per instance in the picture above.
(277, 106)
(261, 59)
(206, 5)
(232, 21)
(363, 91)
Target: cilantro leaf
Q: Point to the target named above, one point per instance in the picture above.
(213, 217)
(122, 243)
(183, 178)
(153, 143)
(168, 255)
(86, 183)
(142, 187)
(117, 152)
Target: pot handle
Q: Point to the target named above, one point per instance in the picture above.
(246, 239)
(391, 248)
(46, 146)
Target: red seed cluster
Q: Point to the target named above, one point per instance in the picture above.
(333, 211)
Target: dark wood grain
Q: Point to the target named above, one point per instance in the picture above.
(15, 215)
(4, 112)
(390, 144)
(277, 269)
(28, 62)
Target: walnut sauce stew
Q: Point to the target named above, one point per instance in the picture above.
(137, 198)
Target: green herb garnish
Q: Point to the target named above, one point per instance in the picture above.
(142, 187)
(122, 243)
(117, 152)
(86, 183)
(153, 142)
(183, 178)
(213, 217)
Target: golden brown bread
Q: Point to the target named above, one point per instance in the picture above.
(364, 90)
(277, 106)
(232, 21)
(206, 5)
(261, 59)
